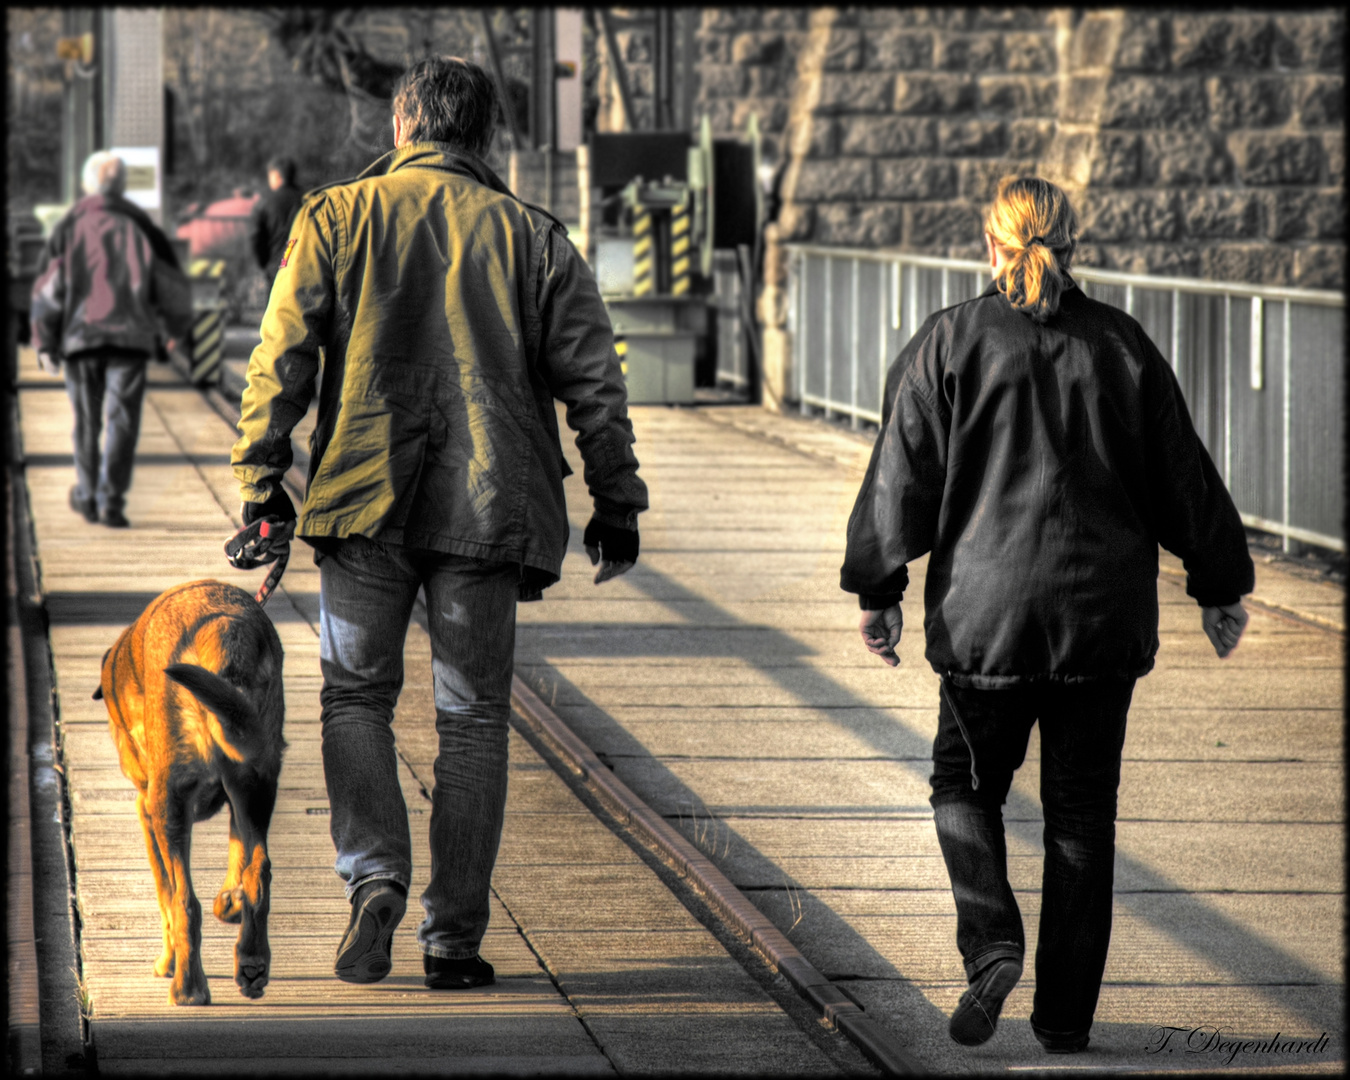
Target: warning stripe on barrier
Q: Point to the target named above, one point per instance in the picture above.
(679, 250)
(644, 266)
(198, 268)
(621, 348)
(208, 344)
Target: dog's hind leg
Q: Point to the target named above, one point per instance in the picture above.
(173, 832)
(163, 888)
(229, 905)
(251, 812)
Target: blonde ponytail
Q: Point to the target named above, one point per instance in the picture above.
(1032, 221)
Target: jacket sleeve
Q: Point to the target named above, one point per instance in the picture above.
(47, 307)
(283, 367)
(1194, 515)
(895, 516)
(581, 368)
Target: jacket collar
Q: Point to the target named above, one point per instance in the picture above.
(437, 155)
(992, 288)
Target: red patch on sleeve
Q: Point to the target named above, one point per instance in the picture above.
(287, 254)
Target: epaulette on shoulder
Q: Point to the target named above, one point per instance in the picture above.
(552, 217)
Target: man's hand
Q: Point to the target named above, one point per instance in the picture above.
(881, 632)
(48, 363)
(614, 549)
(278, 504)
(1223, 626)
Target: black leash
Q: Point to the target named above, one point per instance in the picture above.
(267, 540)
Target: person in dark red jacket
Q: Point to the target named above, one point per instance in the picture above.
(269, 225)
(107, 280)
(1036, 445)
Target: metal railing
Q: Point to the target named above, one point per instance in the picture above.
(1262, 368)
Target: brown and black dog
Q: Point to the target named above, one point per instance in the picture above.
(195, 703)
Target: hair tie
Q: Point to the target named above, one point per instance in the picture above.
(1036, 240)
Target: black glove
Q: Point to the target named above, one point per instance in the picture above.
(278, 505)
(615, 545)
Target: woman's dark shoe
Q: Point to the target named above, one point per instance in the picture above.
(115, 519)
(444, 974)
(377, 909)
(1060, 1042)
(976, 1014)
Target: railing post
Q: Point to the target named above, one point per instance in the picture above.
(1228, 391)
(853, 358)
(829, 328)
(1286, 416)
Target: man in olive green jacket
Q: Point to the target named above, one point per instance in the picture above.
(450, 316)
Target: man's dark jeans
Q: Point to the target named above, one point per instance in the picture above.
(105, 389)
(981, 740)
(366, 595)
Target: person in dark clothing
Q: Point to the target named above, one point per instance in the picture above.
(107, 279)
(269, 225)
(1036, 444)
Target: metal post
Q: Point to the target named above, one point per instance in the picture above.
(1286, 416)
(1258, 349)
(829, 328)
(1176, 332)
(542, 57)
(946, 285)
(1228, 391)
(495, 60)
(663, 47)
(620, 72)
(853, 353)
(1129, 299)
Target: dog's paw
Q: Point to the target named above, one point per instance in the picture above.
(251, 977)
(190, 995)
(164, 965)
(229, 905)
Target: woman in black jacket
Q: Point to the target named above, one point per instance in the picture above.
(1036, 444)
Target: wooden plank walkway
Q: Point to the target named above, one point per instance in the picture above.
(600, 968)
(724, 681)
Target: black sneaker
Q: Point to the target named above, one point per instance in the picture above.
(115, 519)
(976, 1014)
(443, 974)
(377, 909)
(84, 507)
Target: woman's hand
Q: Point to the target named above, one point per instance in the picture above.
(881, 632)
(1223, 626)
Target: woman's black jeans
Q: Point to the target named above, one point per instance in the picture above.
(981, 740)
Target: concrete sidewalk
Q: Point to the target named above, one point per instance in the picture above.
(600, 968)
(723, 680)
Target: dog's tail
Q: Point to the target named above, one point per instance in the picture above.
(238, 716)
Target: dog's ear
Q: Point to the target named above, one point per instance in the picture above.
(98, 694)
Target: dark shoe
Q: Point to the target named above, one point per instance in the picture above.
(443, 974)
(115, 519)
(1060, 1042)
(377, 909)
(84, 507)
(976, 1014)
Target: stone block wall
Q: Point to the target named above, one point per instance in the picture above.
(1200, 143)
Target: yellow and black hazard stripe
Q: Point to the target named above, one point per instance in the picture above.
(208, 344)
(679, 249)
(621, 347)
(644, 262)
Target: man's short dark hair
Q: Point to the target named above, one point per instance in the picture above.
(446, 99)
(283, 165)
